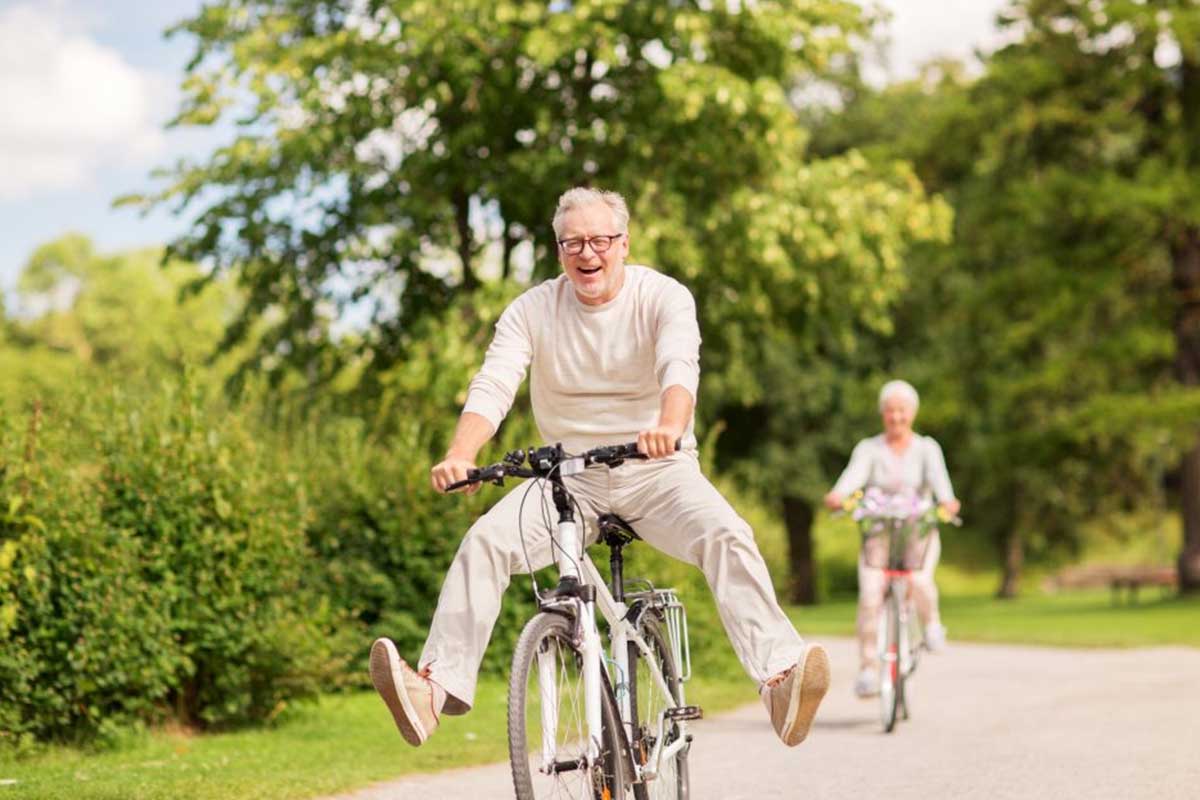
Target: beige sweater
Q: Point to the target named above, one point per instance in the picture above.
(597, 373)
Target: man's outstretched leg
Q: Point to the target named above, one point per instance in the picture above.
(493, 550)
(682, 514)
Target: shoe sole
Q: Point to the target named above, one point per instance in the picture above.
(807, 694)
(387, 674)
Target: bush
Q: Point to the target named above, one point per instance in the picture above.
(156, 558)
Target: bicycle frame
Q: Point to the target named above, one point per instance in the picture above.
(898, 665)
(575, 568)
(898, 589)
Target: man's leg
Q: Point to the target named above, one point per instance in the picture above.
(679, 512)
(510, 538)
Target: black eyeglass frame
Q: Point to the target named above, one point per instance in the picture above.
(591, 242)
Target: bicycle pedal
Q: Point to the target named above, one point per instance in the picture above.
(680, 713)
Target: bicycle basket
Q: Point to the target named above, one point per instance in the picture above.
(895, 544)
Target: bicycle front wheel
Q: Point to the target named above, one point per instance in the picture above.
(547, 720)
(891, 677)
(648, 698)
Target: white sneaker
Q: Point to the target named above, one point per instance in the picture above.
(935, 637)
(867, 683)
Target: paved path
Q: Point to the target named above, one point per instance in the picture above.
(989, 721)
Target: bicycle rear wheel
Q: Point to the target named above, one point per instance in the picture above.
(647, 702)
(547, 720)
(891, 677)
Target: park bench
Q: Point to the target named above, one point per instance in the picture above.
(1124, 580)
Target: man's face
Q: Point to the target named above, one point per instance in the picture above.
(596, 276)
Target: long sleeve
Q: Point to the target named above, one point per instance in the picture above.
(935, 471)
(491, 392)
(857, 472)
(677, 341)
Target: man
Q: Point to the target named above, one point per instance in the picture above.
(613, 355)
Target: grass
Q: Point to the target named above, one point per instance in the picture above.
(340, 743)
(1075, 619)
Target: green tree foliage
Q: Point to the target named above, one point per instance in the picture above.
(1046, 327)
(85, 313)
(392, 153)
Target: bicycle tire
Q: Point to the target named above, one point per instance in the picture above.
(552, 634)
(891, 679)
(645, 699)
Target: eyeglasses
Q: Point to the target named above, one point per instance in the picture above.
(599, 244)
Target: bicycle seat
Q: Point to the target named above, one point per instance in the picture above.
(616, 532)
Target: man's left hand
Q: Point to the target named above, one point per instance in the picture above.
(659, 441)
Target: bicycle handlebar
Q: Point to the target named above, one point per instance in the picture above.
(543, 461)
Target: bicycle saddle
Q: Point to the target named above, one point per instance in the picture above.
(615, 531)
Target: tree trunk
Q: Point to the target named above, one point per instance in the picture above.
(1014, 561)
(466, 240)
(510, 244)
(1185, 256)
(798, 516)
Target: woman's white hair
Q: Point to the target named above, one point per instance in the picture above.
(902, 389)
(582, 196)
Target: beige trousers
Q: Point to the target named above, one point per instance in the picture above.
(871, 585)
(674, 509)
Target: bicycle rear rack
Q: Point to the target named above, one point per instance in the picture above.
(675, 615)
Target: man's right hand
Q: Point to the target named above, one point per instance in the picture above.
(833, 501)
(451, 470)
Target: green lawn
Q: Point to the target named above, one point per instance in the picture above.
(1073, 619)
(338, 744)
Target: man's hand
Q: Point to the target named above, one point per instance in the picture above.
(451, 470)
(951, 507)
(659, 441)
(833, 501)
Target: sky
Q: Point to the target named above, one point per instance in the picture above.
(86, 87)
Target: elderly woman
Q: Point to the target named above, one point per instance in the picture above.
(898, 460)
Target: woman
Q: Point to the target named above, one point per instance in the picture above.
(898, 460)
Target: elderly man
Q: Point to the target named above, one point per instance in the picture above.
(613, 354)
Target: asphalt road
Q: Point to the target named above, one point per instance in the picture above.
(988, 721)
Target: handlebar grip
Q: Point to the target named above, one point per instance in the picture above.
(472, 477)
(630, 450)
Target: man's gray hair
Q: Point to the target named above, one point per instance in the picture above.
(582, 196)
(902, 389)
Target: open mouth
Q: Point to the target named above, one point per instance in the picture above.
(589, 270)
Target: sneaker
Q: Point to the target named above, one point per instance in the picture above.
(413, 699)
(935, 637)
(867, 682)
(793, 698)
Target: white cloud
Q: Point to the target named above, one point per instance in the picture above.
(70, 106)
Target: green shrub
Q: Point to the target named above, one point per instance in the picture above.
(156, 564)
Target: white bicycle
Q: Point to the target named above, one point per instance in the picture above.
(582, 722)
